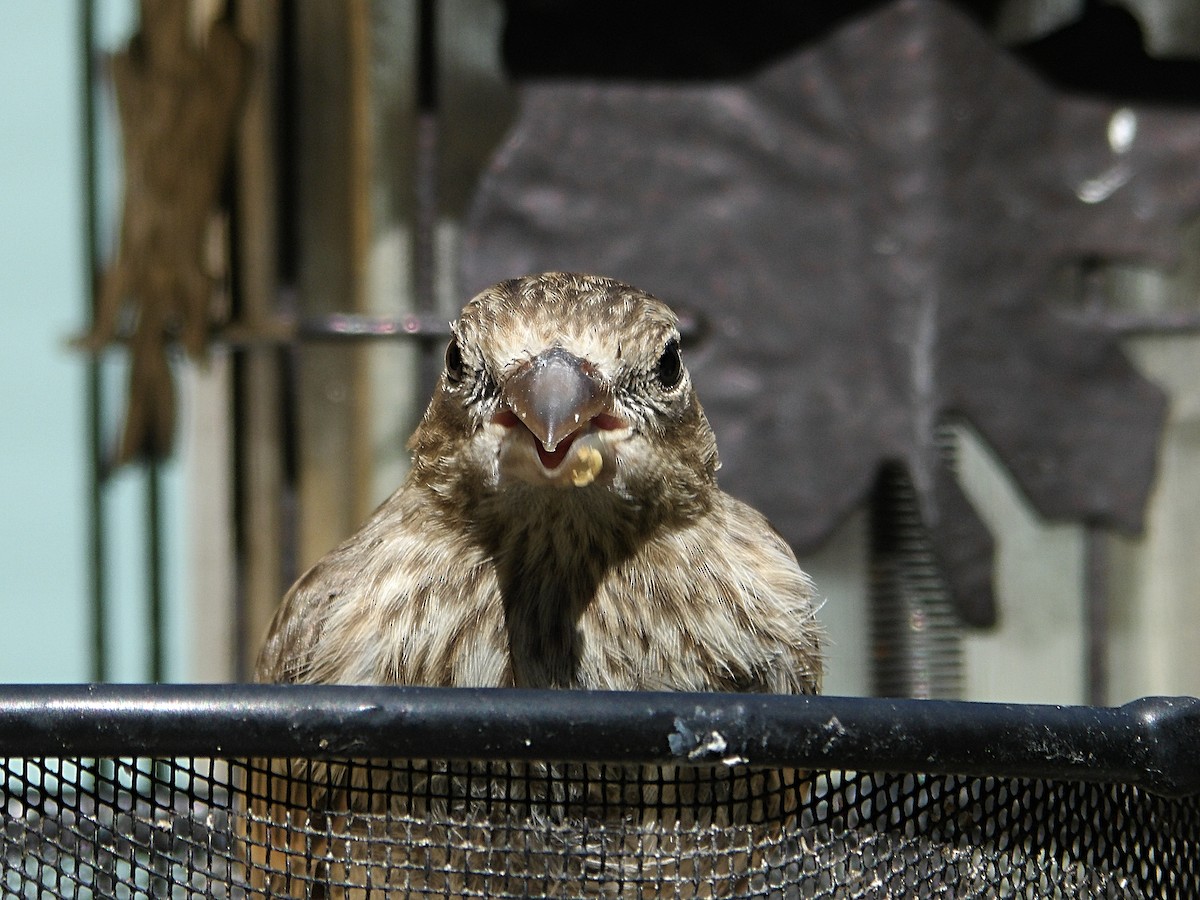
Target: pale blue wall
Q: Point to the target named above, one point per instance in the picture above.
(43, 539)
(44, 590)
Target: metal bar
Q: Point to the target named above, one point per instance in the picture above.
(362, 327)
(358, 327)
(1096, 613)
(97, 539)
(154, 569)
(1134, 324)
(1153, 743)
(97, 549)
(432, 326)
(425, 193)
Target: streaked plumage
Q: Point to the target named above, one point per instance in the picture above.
(561, 525)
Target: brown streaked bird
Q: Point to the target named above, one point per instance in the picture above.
(561, 525)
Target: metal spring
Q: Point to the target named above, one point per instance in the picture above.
(916, 635)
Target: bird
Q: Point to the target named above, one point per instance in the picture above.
(560, 525)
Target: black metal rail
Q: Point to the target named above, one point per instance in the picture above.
(1152, 743)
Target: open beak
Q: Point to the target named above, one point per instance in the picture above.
(554, 395)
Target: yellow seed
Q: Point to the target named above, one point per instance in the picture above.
(585, 466)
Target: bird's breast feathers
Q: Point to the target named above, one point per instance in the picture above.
(716, 605)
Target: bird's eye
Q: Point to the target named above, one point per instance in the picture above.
(454, 362)
(669, 370)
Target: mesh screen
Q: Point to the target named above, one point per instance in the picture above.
(212, 828)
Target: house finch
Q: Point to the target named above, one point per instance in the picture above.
(560, 527)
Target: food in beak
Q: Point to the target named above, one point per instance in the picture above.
(585, 466)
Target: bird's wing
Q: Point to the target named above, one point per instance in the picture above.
(774, 596)
(716, 604)
(408, 599)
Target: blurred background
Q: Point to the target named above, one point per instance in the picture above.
(357, 151)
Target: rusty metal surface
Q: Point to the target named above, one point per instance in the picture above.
(869, 227)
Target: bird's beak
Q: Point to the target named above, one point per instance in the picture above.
(554, 394)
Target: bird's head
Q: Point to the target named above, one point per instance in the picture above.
(566, 388)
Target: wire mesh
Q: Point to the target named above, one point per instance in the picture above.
(195, 827)
(230, 791)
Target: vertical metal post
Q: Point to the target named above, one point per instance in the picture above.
(154, 569)
(97, 549)
(427, 154)
(1096, 613)
(1095, 290)
(427, 201)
